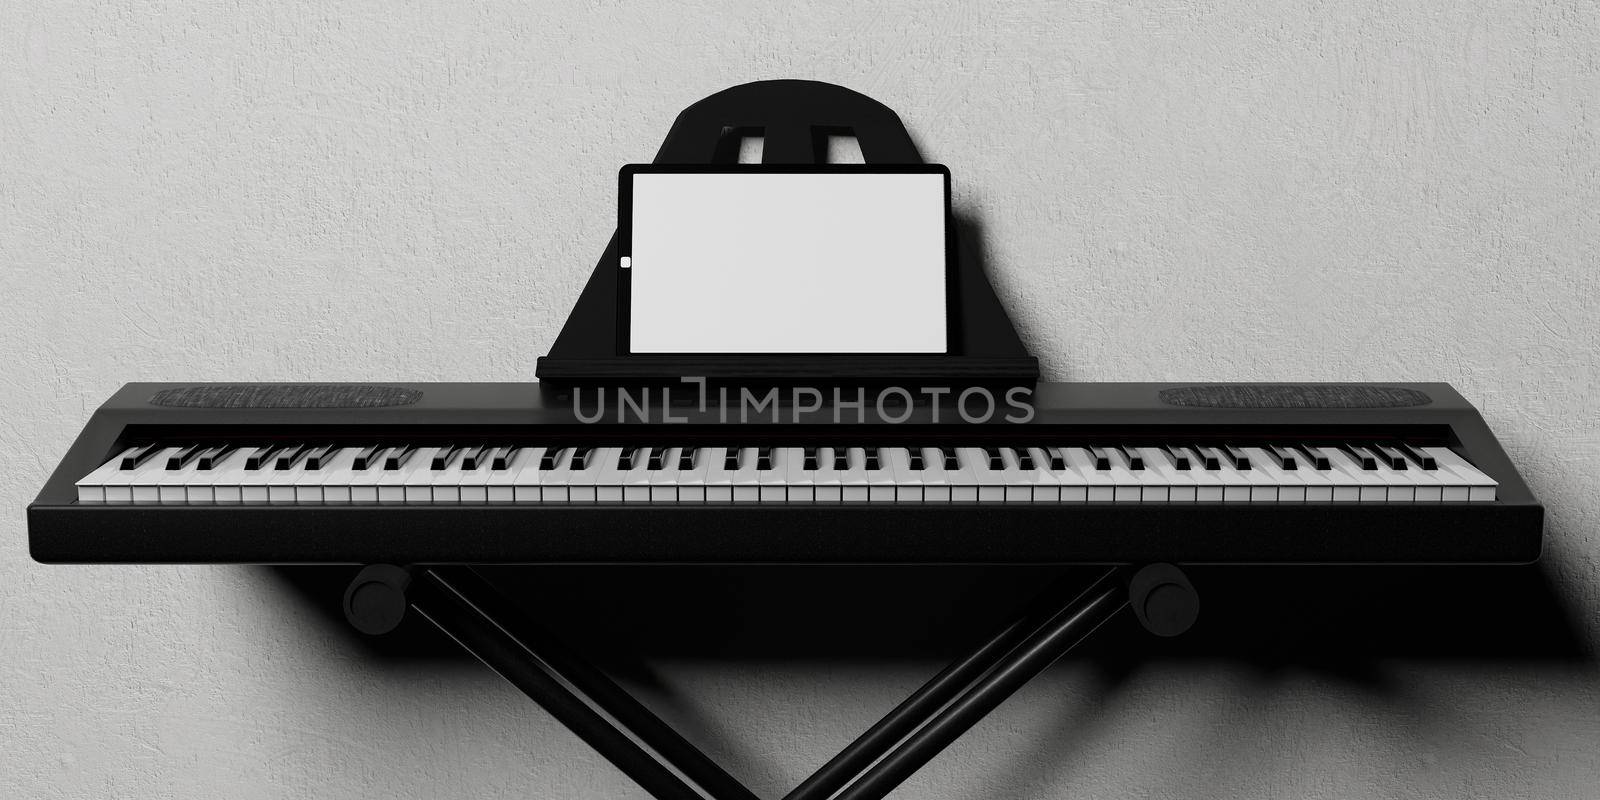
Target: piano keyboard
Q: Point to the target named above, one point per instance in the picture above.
(323, 474)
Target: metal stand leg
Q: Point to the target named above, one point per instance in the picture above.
(470, 611)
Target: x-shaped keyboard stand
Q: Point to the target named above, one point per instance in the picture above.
(603, 714)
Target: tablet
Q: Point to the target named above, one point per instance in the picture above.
(780, 259)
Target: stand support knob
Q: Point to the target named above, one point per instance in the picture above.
(375, 602)
(1163, 599)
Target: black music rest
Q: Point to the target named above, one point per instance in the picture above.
(795, 119)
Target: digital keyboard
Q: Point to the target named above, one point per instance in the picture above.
(514, 473)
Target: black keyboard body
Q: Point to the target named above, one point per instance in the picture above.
(1506, 530)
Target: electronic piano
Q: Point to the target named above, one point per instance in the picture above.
(447, 473)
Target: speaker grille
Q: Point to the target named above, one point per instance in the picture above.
(285, 395)
(1294, 396)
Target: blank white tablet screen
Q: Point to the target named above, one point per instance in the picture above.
(787, 263)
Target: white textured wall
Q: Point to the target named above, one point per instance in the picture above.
(391, 191)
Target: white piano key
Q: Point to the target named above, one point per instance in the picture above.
(334, 477)
(1179, 484)
(1370, 488)
(608, 480)
(907, 481)
(801, 482)
(583, 485)
(555, 482)
(1044, 484)
(227, 477)
(472, 483)
(1072, 486)
(523, 477)
(1342, 487)
(1426, 484)
(636, 478)
(881, 481)
(719, 479)
(1152, 485)
(145, 482)
(1480, 487)
(774, 481)
(692, 481)
(1235, 485)
(1128, 482)
(661, 485)
(746, 488)
(1286, 485)
(853, 479)
(172, 484)
(393, 483)
(988, 483)
(446, 483)
(92, 487)
(1402, 488)
(934, 479)
(364, 482)
(963, 479)
(1098, 485)
(279, 482)
(1017, 487)
(1318, 483)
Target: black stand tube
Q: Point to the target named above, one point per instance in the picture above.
(475, 615)
(928, 699)
(1039, 650)
(611, 698)
(434, 597)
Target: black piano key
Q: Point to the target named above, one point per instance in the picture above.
(398, 457)
(1389, 456)
(1058, 461)
(1287, 461)
(211, 458)
(502, 458)
(552, 456)
(262, 457)
(657, 460)
(730, 461)
(996, 461)
(1315, 457)
(1179, 456)
(1132, 458)
(1025, 459)
(841, 458)
(916, 461)
(873, 461)
(1102, 458)
(582, 458)
(686, 458)
(764, 459)
(445, 456)
(1236, 457)
(1420, 458)
(184, 456)
(625, 461)
(475, 456)
(320, 456)
(1209, 459)
(948, 454)
(136, 459)
(1360, 454)
(291, 456)
(370, 456)
(811, 464)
